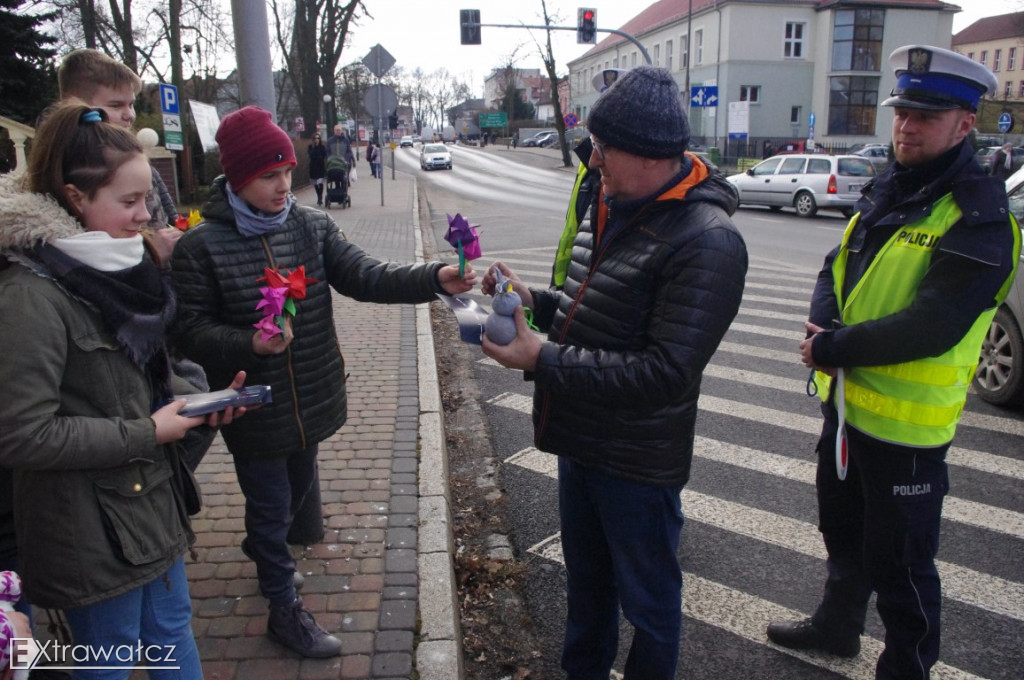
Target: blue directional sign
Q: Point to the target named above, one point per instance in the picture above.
(169, 99)
(702, 96)
(1005, 122)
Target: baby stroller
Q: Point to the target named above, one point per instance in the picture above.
(337, 183)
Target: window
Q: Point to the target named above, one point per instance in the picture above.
(1020, 92)
(632, 61)
(750, 93)
(997, 57)
(857, 40)
(668, 55)
(970, 55)
(793, 45)
(794, 115)
(1008, 90)
(852, 103)
(767, 167)
(793, 166)
(684, 51)
(698, 39)
(819, 166)
(1011, 58)
(984, 57)
(657, 56)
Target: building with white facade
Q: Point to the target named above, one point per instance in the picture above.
(773, 66)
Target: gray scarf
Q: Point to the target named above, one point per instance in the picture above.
(256, 223)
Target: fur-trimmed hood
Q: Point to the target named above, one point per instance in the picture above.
(28, 218)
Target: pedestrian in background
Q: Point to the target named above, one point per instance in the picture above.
(898, 316)
(252, 223)
(655, 279)
(101, 496)
(1002, 162)
(376, 156)
(341, 146)
(317, 166)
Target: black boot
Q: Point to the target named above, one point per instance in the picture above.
(319, 193)
(297, 579)
(294, 627)
(804, 635)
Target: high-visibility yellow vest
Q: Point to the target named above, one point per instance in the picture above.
(917, 403)
(572, 225)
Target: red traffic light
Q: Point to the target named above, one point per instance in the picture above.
(588, 15)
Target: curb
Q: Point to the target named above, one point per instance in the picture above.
(438, 656)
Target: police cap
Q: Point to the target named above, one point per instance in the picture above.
(936, 79)
(605, 78)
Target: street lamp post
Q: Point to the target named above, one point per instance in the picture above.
(327, 115)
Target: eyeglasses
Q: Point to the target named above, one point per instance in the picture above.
(598, 147)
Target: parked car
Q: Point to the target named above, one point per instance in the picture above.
(877, 155)
(435, 156)
(545, 138)
(406, 141)
(999, 378)
(986, 154)
(806, 182)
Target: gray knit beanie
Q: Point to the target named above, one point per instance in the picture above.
(641, 114)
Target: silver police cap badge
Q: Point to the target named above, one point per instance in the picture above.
(919, 61)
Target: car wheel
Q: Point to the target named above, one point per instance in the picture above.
(805, 204)
(999, 378)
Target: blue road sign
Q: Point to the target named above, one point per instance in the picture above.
(703, 96)
(571, 120)
(1005, 122)
(169, 99)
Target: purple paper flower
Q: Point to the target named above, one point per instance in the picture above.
(268, 327)
(272, 303)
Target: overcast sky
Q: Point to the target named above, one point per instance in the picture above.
(426, 35)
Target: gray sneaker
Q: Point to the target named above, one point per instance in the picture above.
(293, 626)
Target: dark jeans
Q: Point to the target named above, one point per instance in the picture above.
(274, 488)
(619, 539)
(881, 531)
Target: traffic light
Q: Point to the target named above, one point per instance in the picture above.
(471, 32)
(393, 121)
(586, 26)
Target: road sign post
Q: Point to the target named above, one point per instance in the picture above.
(170, 107)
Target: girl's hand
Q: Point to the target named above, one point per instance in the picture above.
(448, 277)
(231, 413)
(170, 427)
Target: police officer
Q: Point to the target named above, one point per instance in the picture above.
(897, 320)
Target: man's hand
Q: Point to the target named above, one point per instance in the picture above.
(519, 354)
(806, 350)
(489, 286)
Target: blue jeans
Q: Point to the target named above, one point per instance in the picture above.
(157, 615)
(620, 540)
(274, 489)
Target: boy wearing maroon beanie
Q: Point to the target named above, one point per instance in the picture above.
(251, 222)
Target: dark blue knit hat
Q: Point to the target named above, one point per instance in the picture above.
(641, 114)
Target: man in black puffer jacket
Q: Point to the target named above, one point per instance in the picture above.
(251, 223)
(655, 280)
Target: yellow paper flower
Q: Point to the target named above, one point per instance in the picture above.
(194, 218)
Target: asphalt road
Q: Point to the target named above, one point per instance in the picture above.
(750, 550)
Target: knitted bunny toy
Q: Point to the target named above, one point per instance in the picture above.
(500, 326)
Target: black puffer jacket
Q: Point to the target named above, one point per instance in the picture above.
(618, 380)
(215, 273)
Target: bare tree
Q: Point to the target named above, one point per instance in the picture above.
(548, 55)
(311, 45)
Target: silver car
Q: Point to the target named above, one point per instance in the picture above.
(999, 378)
(435, 156)
(805, 182)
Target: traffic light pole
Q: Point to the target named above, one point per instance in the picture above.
(627, 36)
